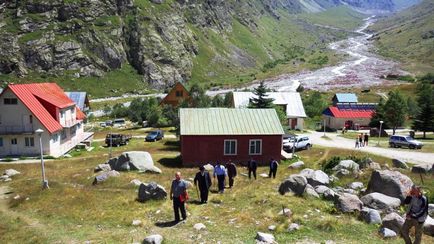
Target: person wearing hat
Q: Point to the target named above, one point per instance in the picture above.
(416, 215)
(203, 179)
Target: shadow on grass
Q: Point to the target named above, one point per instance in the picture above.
(166, 224)
(171, 162)
(172, 146)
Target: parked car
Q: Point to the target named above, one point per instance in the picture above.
(119, 123)
(155, 135)
(116, 139)
(145, 124)
(102, 124)
(300, 142)
(404, 141)
(109, 123)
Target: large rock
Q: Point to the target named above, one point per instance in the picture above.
(296, 165)
(134, 160)
(421, 169)
(265, 238)
(399, 164)
(309, 191)
(393, 221)
(380, 201)
(349, 165)
(387, 233)
(348, 203)
(153, 239)
(294, 183)
(102, 167)
(321, 189)
(105, 176)
(151, 191)
(370, 216)
(356, 185)
(315, 177)
(428, 226)
(11, 172)
(431, 209)
(391, 183)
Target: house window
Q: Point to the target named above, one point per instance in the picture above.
(55, 137)
(31, 119)
(62, 114)
(10, 101)
(73, 130)
(230, 147)
(29, 141)
(179, 93)
(1, 141)
(63, 135)
(255, 147)
(14, 141)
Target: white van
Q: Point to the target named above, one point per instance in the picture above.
(119, 123)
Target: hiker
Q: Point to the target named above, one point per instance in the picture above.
(232, 172)
(357, 142)
(252, 165)
(273, 168)
(366, 139)
(416, 215)
(178, 193)
(220, 172)
(203, 179)
(361, 140)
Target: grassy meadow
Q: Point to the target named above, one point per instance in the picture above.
(74, 211)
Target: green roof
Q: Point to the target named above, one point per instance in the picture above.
(229, 121)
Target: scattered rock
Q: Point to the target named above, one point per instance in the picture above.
(370, 216)
(399, 164)
(315, 177)
(157, 1)
(4, 178)
(265, 237)
(321, 189)
(296, 165)
(286, 211)
(342, 173)
(333, 178)
(293, 227)
(380, 201)
(374, 166)
(356, 185)
(348, 203)
(136, 222)
(153, 239)
(102, 167)
(136, 182)
(428, 226)
(199, 226)
(431, 209)
(329, 195)
(272, 228)
(263, 175)
(387, 233)
(349, 165)
(391, 183)
(105, 175)
(294, 183)
(349, 191)
(421, 169)
(11, 172)
(67, 155)
(393, 221)
(134, 160)
(309, 191)
(152, 190)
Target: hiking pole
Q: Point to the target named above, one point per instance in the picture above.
(421, 178)
(197, 191)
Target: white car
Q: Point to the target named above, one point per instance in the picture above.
(300, 142)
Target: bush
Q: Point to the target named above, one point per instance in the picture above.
(328, 165)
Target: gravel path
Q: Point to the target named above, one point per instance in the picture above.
(412, 156)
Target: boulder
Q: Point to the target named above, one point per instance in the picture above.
(393, 221)
(342, 173)
(295, 184)
(348, 203)
(11, 172)
(391, 183)
(134, 160)
(296, 165)
(271, 227)
(431, 209)
(105, 176)
(199, 226)
(349, 165)
(4, 178)
(387, 233)
(380, 201)
(315, 177)
(428, 226)
(321, 189)
(374, 166)
(329, 195)
(151, 191)
(153, 239)
(136, 182)
(421, 169)
(209, 167)
(102, 167)
(309, 191)
(370, 216)
(265, 237)
(399, 164)
(356, 185)
(293, 227)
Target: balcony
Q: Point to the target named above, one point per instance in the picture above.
(16, 130)
(69, 123)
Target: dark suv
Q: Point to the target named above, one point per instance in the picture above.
(404, 141)
(155, 135)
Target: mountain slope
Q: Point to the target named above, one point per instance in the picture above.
(408, 36)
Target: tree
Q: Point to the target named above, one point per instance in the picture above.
(314, 104)
(424, 120)
(261, 100)
(412, 107)
(198, 97)
(119, 111)
(378, 116)
(217, 101)
(395, 110)
(228, 99)
(281, 114)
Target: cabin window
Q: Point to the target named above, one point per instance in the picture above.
(230, 147)
(31, 119)
(255, 147)
(73, 130)
(62, 114)
(10, 101)
(55, 137)
(63, 135)
(179, 93)
(14, 141)
(1, 141)
(29, 141)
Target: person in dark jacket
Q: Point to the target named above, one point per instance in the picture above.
(203, 179)
(178, 188)
(366, 139)
(416, 215)
(252, 165)
(232, 172)
(273, 168)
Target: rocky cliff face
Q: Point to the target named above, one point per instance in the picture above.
(157, 37)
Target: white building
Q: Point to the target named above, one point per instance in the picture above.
(290, 101)
(24, 108)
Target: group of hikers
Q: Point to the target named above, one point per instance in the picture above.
(416, 215)
(202, 180)
(362, 140)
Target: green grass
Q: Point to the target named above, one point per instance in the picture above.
(73, 210)
(339, 17)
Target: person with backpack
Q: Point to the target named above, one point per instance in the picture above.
(252, 165)
(203, 179)
(416, 215)
(232, 172)
(220, 172)
(178, 193)
(273, 168)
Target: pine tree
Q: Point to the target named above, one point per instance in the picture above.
(378, 116)
(424, 120)
(395, 110)
(261, 100)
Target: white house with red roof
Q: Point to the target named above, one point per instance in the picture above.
(24, 108)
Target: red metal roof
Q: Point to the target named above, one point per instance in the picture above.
(351, 113)
(49, 92)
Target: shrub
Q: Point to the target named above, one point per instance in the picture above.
(330, 164)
